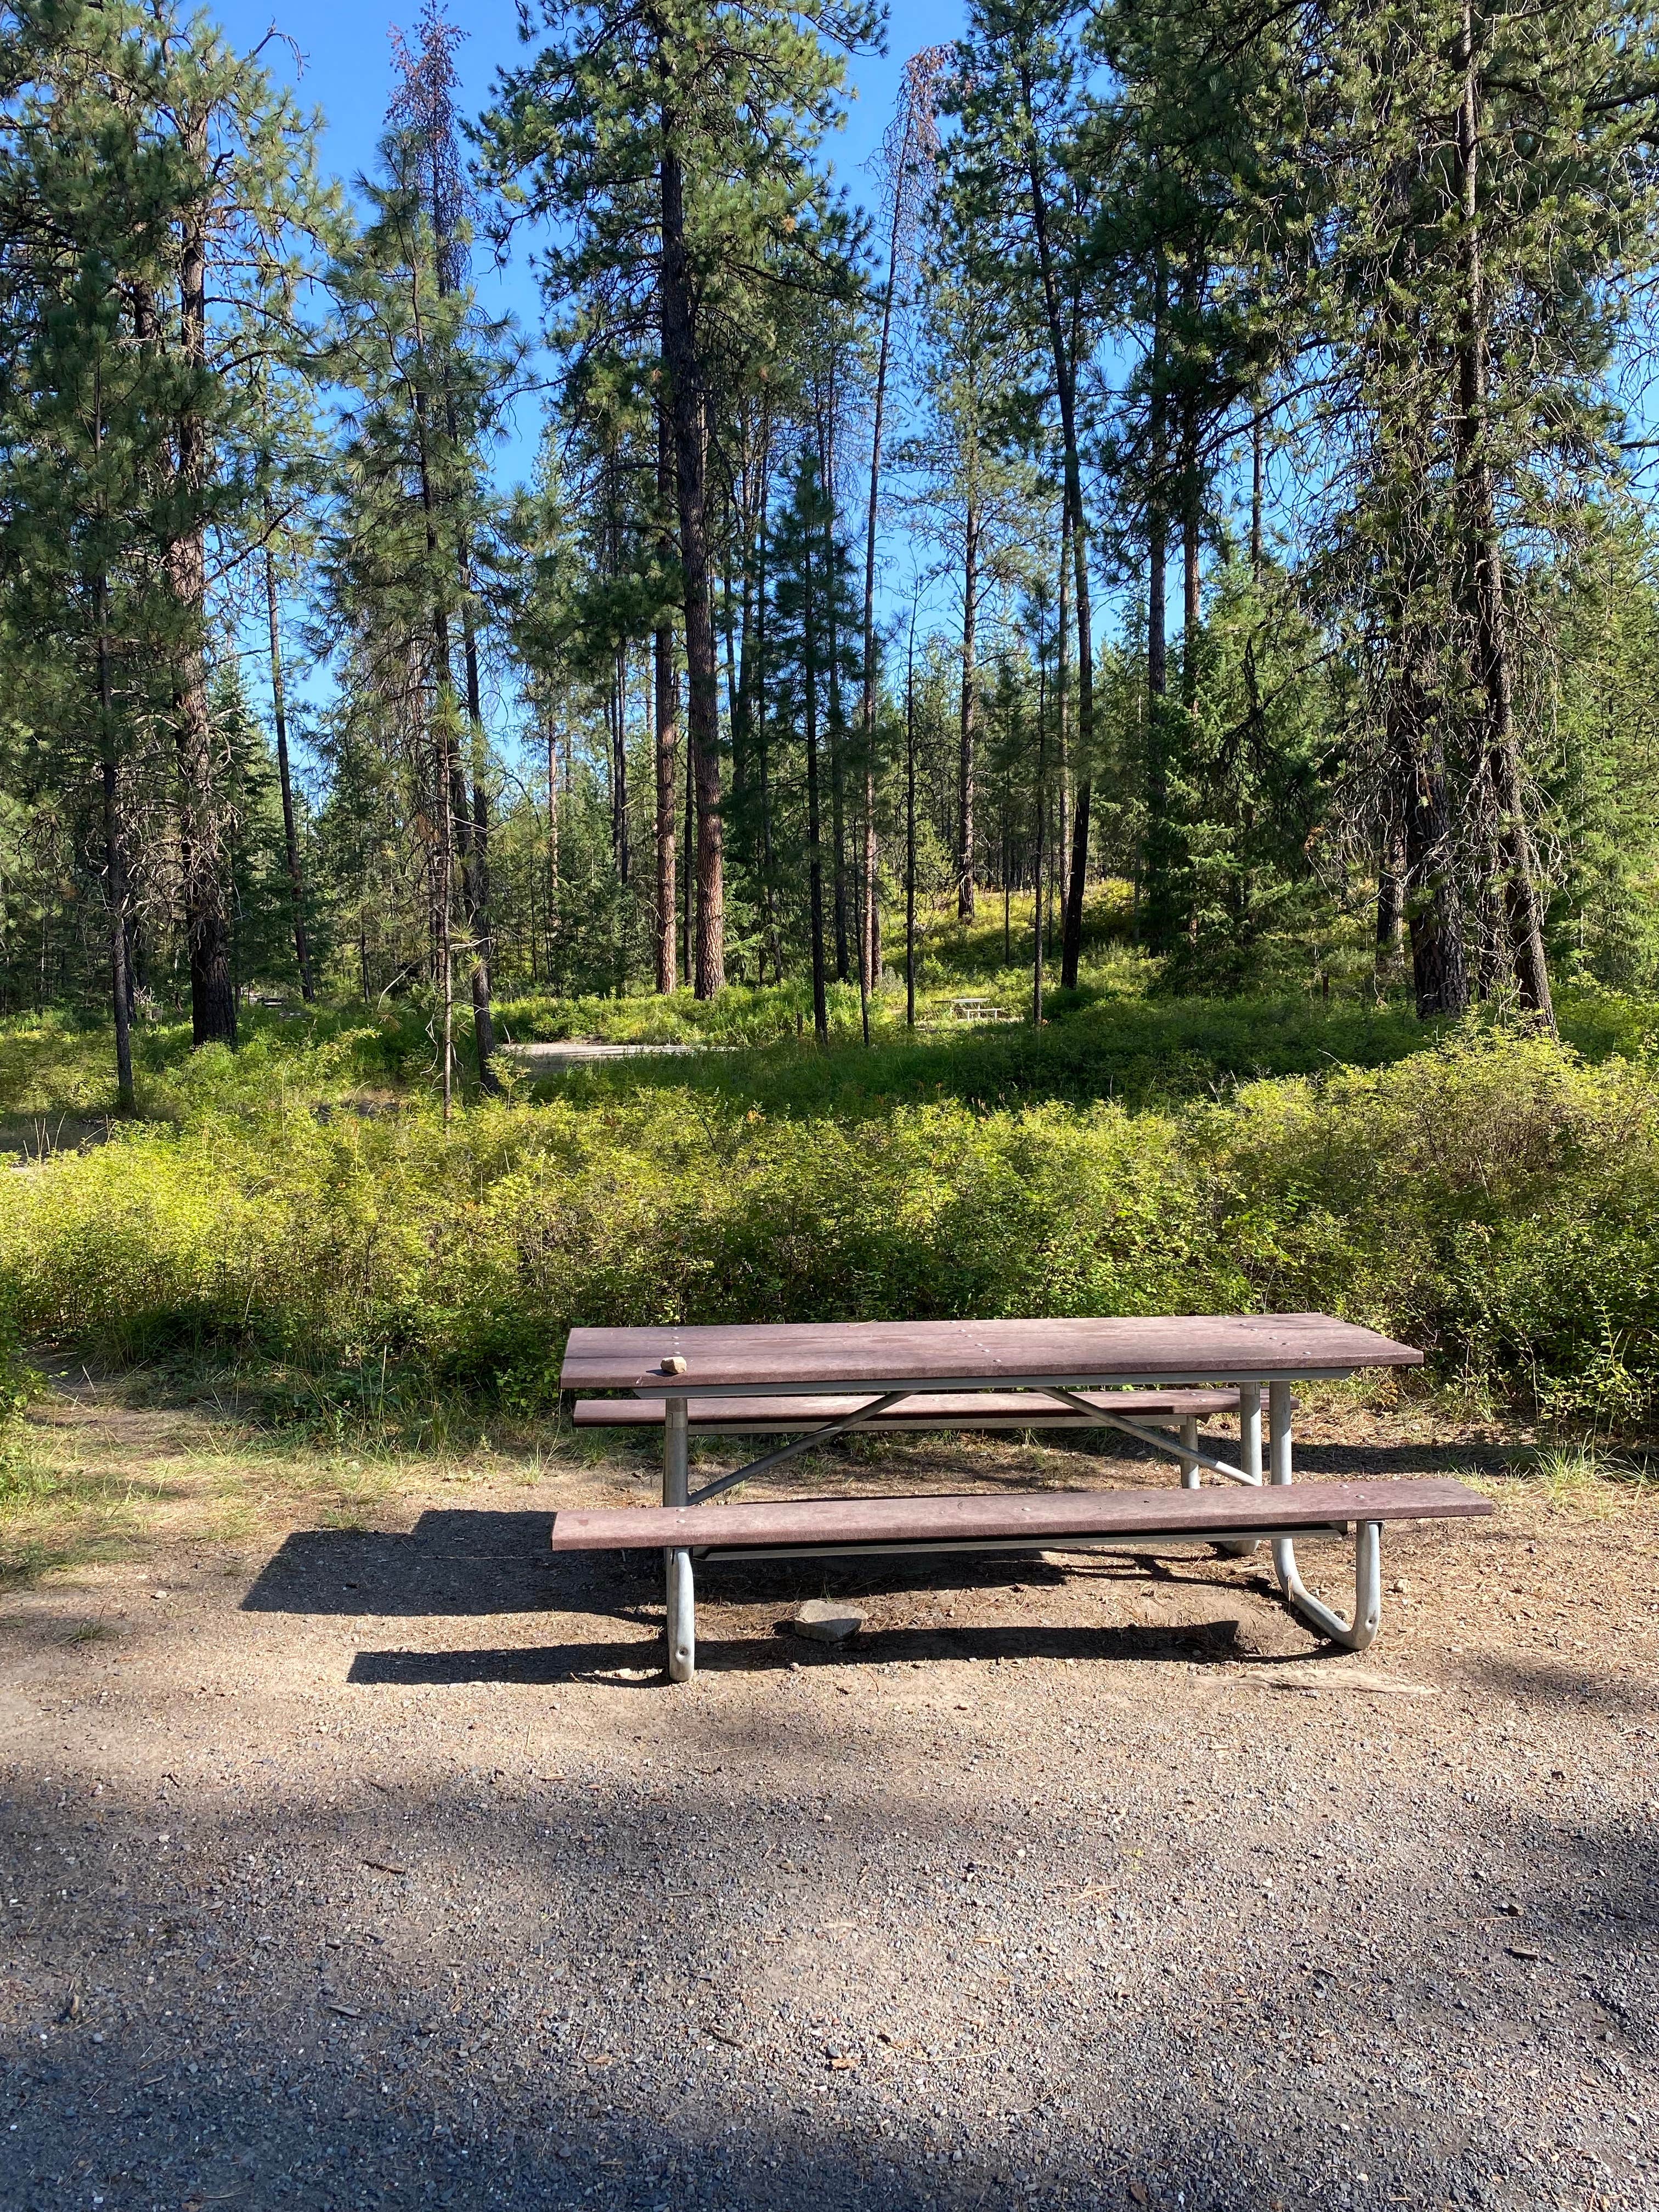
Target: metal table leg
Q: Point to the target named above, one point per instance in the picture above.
(1249, 1455)
(1190, 1474)
(1359, 1634)
(681, 1591)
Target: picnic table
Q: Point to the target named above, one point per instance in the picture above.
(817, 1381)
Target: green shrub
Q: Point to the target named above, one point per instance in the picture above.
(1491, 1200)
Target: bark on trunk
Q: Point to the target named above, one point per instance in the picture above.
(1065, 390)
(1433, 907)
(115, 873)
(1159, 856)
(869, 959)
(203, 888)
(668, 748)
(1037, 883)
(1390, 905)
(814, 851)
(552, 842)
(684, 379)
(1484, 564)
(970, 686)
(450, 811)
(668, 736)
(618, 767)
(475, 848)
(910, 833)
(290, 837)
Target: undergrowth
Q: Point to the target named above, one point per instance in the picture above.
(1489, 1196)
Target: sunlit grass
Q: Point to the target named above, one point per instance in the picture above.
(1591, 1476)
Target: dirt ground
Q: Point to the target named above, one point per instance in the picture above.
(359, 1855)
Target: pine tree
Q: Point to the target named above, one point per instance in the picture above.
(625, 133)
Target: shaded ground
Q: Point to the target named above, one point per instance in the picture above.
(359, 1865)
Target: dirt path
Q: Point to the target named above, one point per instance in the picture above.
(348, 1867)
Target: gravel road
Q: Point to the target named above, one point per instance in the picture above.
(372, 1867)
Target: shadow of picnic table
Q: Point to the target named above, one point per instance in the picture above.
(469, 1563)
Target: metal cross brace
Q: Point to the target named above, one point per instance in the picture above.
(812, 1438)
(1159, 1439)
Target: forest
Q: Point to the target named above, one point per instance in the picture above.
(1204, 494)
(1132, 620)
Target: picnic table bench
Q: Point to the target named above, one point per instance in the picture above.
(814, 1382)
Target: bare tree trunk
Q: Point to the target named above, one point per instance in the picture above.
(668, 738)
(839, 902)
(969, 688)
(1485, 567)
(446, 932)
(1037, 875)
(815, 850)
(1062, 669)
(619, 852)
(668, 746)
(552, 842)
(910, 832)
(1390, 905)
(204, 890)
(686, 417)
(115, 873)
(451, 815)
(1433, 907)
(689, 874)
(1157, 854)
(869, 962)
(290, 839)
(1065, 368)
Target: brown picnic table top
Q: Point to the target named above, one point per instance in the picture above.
(824, 1357)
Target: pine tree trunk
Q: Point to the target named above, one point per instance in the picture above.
(869, 955)
(452, 814)
(1066, 391)
(203, 889)
(1484, 565)
(668, 744)
(552, 843)
(290, 838)
(969, 688)
(619, 853)
(1063, 668)
(838, 812)
(688, 874)
(690, 470)
(471, 822)
(1158, 871)
(1433, 907)
(814, 845)
(115, 873)
(910, 832)
(1390, 905)
(1037, 886)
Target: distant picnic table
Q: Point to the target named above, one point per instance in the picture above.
(817, 1381)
